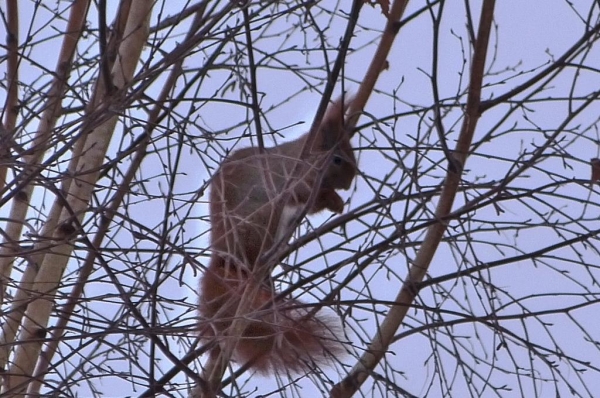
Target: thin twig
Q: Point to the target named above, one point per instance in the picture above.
(253, 81)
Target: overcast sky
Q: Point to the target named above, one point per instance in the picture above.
(528, 36)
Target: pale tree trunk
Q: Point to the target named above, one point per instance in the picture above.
(21, 201)
(77, 198)
(12, 95)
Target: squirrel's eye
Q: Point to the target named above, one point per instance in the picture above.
(337, 160)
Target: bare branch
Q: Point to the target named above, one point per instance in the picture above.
(417, 271)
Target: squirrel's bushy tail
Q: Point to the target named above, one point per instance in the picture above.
(278, 336)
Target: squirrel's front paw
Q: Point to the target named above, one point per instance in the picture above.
(328, 199)
(334, 202)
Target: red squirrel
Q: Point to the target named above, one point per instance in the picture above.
(254, 200)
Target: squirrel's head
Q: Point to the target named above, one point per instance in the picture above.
(333, 142)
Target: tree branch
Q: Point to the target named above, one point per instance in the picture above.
(408, 292)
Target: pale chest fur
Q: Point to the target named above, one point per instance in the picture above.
(288, 215)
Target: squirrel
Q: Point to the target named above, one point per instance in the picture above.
(254, 200)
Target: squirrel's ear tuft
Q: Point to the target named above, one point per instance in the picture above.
(332, 128)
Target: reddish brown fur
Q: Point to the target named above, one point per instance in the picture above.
(246, 204)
